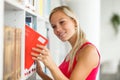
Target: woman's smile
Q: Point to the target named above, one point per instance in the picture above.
(62, 35)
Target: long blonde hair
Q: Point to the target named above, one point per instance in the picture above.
(80, 34)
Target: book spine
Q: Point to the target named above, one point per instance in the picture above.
(12, 53)
(9, 53)
(18, 52)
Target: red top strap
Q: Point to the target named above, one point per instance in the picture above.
(86, 43)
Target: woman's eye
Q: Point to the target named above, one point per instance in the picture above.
(53, 27)
(62, 22)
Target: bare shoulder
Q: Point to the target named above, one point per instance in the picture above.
(87, 59)
(89, 55)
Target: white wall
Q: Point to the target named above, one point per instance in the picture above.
(110, 42)
(55, 3)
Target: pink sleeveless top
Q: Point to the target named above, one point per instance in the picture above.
(64, 66)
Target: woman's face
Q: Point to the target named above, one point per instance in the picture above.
(63, 26)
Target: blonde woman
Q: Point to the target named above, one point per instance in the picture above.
(81, 63)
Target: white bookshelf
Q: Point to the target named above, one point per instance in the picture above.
(13, 14)
(1, 39)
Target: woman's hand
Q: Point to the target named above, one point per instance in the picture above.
(44, 55)
(38, 68)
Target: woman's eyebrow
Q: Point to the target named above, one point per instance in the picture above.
(61, 18)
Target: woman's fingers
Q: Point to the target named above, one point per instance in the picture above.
(36, 49)
(41, 53)
(37, 56)
(42, 47)
(44, 52)
(34, 54)
(34, 58)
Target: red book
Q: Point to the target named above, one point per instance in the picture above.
(31, 39)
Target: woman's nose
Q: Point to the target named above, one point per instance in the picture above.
(58, 29)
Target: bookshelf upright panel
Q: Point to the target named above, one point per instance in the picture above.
(2, 37)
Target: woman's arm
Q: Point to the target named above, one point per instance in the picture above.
(44, 76)
(40, 72)
(56, 73)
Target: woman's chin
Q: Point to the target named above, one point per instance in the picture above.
(64, 40)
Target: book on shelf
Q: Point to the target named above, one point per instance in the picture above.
(29, 4)
(29, 21)
(18, 34)
(9, 53)
(11, 50)
(32, 38)
(41, 7)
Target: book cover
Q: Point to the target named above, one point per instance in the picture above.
(31, 39)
